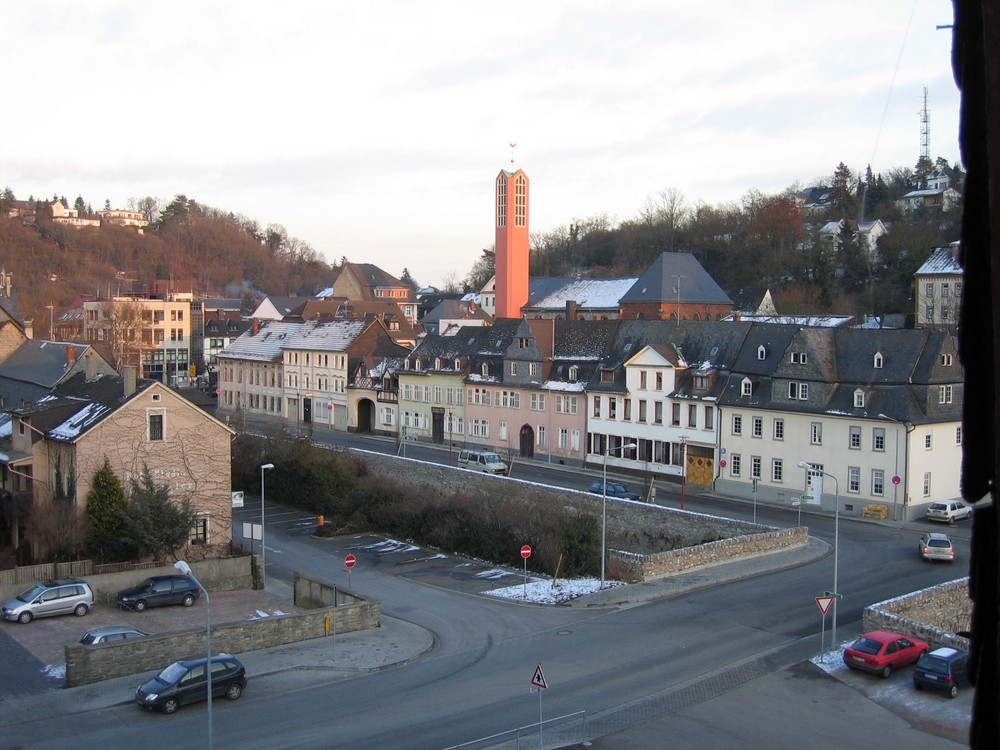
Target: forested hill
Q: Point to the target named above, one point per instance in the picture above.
(54, 264)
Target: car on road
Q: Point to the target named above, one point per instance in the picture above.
(485, 461)
(111, 634)
(936, 547)
(881, 651)
(60, 597)
(942, 669)
(185, 681)
(158, 591)
(614, 490)
(948, 512)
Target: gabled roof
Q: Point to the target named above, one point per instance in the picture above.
(589, 294)
(659, 283)
(943, 261)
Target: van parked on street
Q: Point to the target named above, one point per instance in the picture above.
(486, 461)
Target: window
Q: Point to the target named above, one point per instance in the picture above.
(799, 358)
(761, 352)
(573, 372)
(659, 381)
(692, 415)
(859, 399)
(779, 429)
(597, 406)
(563, 438)
(735, 464)
(513, 368)
(854, 442)
(479, 428)
(878, 439)
(927, 484)
(758, 427)
(700, 382)
(878, 482)
(945, 289)
(675, 415)
(958, 435)
(642, 379)
(709, 417)
(737, 424)
(944, 394)
(537, 402)
(575, 440)
(777, 469)
(755, 467)
(816, 433)
(156, 426)
(541, 435)
(532, 369)
(565, 404)
(746, 387)
(503, 430)
(628, 410)
(854, 479)
(642, 410)
(658, 412)
(798, 391)
(612, 407)
(388, 415)
(878, 361)
(927, 442)
(199, 531)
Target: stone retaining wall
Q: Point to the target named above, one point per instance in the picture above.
(87, 664)
(935, 615)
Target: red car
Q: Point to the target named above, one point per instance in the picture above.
(882, 651)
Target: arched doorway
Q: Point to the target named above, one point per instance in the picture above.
(366, 415)
(527, 442)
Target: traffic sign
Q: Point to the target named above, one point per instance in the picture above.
(824, 602)
(350, 561)
(897, 479)
(538, 679)
(526, 552)
(722, 464)
(834, 594)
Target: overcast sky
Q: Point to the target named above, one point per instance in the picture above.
(374, 130)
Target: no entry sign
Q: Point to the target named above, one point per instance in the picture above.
(526, 552)
(350, 561)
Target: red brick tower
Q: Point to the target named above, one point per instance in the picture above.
(511, 243)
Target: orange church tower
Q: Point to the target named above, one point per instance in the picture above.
(511, 243)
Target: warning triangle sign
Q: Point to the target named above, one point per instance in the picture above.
(538, 680)
(824, 602)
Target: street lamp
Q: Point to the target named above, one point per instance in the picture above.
(184, 568)
(263, 568)
(604, 507)
(836, 538)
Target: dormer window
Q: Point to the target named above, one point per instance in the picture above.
(406, 364)
(437, 363)
(522, 343)
(417, 364)
(859, 399)
(946, 360)
(746, 387)
(457, 364)
(878, 361)
(574, 372)
(799, 358)
(485, 370)
(761, 352)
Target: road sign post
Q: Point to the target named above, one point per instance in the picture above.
(525, 553)
(349, 562)
(824, 602)
(538, 680)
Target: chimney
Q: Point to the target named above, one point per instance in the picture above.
(737, 316)
(571, 309)
(256, 327)
(129, 380)
(90, 363)
(70, 355)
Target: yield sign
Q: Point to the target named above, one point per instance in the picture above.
(824, 602)
(538, 680)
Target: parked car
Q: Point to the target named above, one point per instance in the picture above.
(157, 591)
(882, 651)
(614, 490)
(948, 512)
(62, 597)
(486, 461)
(936, 547)
(184, 681)
(942, 669)
(111, 634)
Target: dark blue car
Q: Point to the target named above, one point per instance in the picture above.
(614, 490)
(942, 669)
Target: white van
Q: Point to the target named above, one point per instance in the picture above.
(486, 461)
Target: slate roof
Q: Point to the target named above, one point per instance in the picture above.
(658, 283)
(943, 261)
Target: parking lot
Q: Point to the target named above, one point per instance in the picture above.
(46, 637)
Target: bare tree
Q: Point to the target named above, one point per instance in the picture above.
(129, 330)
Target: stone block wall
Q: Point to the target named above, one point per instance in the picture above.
(935, 615)
(87, 664)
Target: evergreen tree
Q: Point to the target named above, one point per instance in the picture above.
(155, 525)
(105, 507)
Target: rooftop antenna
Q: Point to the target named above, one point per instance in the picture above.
(512, 147)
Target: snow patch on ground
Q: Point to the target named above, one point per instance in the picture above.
(546, 591)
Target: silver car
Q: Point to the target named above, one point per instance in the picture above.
(936, 547)
(948, 512)
(63, 597)
(111, 634)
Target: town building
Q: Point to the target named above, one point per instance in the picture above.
(938, 285)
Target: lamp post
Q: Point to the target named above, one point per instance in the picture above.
(836, 538)
(184, 568)
(604, 507)
(263, 568)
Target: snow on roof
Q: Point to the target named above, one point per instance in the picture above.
(587, 293)
(80, 421)
(942, 261)
(561, 385)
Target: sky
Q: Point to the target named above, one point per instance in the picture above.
(374, 131)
